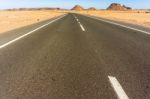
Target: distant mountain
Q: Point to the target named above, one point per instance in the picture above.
(30, 9)
(91, 8)
(77, 8)
(117, 6)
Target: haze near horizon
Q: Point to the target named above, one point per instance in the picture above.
(99, 4)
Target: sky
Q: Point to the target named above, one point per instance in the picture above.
(99, 4)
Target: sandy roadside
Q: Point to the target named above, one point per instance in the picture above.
(134, 17)
(10, 20)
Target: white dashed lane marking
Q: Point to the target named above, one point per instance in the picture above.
(117, 88)
(81, 26)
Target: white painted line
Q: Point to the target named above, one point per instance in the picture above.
(16, 39)
(114, 23)
(79, 23)
(118, 88)
(81, 26)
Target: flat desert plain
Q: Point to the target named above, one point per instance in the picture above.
(140, 17)
(10, 20)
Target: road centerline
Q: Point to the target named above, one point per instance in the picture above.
(81, 26)
(118, 88)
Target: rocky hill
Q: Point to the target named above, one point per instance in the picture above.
(116, 6)
(92, 8)
(77, 8)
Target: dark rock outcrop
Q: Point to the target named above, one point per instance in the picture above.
(117, 6)
(91, 8)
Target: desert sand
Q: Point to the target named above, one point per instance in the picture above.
(140, 17)
(10, 20)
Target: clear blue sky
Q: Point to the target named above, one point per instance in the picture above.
(100, 4)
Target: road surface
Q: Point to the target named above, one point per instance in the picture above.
(75, 57)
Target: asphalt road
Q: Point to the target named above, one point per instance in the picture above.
(76, 57)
